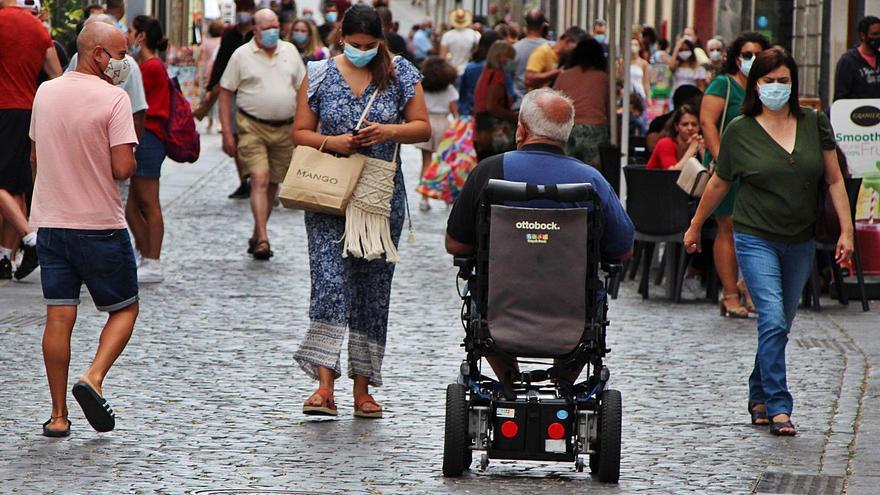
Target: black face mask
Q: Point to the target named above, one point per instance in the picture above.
(874, 43)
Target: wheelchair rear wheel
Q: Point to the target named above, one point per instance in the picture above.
(457, 455)
(605, 463)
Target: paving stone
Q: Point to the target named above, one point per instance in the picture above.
(208, 398)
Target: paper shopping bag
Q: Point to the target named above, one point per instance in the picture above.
(320, 182)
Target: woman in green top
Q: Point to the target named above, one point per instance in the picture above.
(780, 153)
(730, 85)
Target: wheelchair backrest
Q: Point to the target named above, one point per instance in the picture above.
(537, 279)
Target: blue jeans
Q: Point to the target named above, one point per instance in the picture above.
(102, 259)
(775, 274)
(149, 155)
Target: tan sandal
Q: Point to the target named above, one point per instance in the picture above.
(327, 406)
(745, 296)
(735, 312)
(362, 400)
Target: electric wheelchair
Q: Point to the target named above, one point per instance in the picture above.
(533, 290)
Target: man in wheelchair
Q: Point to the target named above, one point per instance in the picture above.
(529, 232)
(546, 120)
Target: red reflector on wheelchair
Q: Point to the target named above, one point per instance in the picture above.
(509, 429)
(556, 431)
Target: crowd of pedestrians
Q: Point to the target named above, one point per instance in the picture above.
(352, 84)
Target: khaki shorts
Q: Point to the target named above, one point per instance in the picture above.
(264, 147)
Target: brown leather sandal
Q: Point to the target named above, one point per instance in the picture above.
(363, 399)
(327, 406)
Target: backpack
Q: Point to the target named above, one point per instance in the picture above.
(181, 137)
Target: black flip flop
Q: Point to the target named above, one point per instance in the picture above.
(95, 407)
(55, 433)
(262, 254)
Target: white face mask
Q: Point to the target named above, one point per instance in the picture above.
(715, 55)
(684, 55)
(117, 70)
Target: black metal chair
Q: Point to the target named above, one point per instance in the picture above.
(609, 160)
(828, 244)
(659, 211)
(638, 150)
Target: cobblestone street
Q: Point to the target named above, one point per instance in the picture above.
(207, 395)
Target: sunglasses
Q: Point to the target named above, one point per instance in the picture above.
(747, 55)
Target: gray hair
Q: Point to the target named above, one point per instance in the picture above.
(533, 114)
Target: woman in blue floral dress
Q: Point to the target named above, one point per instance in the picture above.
(349, 292)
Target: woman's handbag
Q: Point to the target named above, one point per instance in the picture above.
(693, 178)
(367, 217)
(694, 175)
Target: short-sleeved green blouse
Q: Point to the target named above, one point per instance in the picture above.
(778, 193)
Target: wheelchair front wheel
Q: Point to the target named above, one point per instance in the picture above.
(457, 455)
(606, 462)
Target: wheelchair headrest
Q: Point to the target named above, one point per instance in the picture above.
(498, 191)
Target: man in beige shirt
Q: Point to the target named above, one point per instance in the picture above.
(263, 75)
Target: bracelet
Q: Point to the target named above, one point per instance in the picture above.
(323, 143)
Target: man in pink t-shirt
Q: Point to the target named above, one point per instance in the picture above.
(83, 138)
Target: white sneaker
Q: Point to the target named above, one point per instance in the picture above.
(424, 205)
(692, 289)
(138, 258)
(150, 272)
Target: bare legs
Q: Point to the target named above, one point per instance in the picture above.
(426, 161)
(262, 198)
(144, 215)
(725, 262)
(56, 353)
(15, 225)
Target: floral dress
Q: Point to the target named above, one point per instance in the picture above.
(351, 293)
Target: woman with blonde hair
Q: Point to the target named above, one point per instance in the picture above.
(493, 113)
(304, 35)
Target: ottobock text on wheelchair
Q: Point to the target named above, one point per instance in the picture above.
(533, 290)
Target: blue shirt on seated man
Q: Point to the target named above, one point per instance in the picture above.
(545, 121)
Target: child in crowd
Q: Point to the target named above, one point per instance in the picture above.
(638, 119)
(441, 99)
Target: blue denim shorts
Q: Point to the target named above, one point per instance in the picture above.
(102, 259)
(150, 154)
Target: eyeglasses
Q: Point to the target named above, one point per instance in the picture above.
(747, 55)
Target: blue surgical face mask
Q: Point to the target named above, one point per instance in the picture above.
(600, 38)
(307, 17)
(269, 37)
(300, 38)
(134, 50)
(243, 18)
(330, 17)
(359, 58)
(746, 65)
(774, 96)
